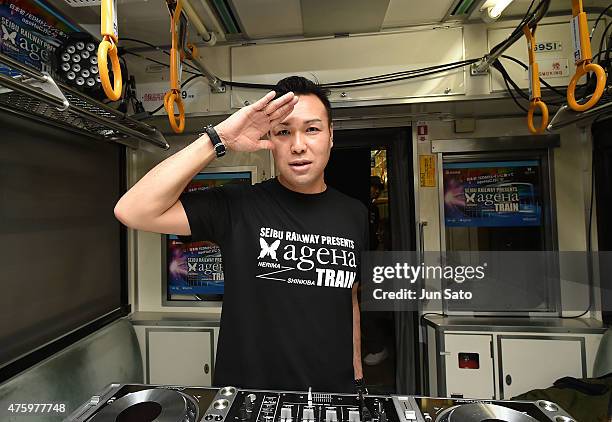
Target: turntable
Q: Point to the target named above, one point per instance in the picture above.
(430, 409)
(147, 403)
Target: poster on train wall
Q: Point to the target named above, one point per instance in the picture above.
(31, 33)
(195, 269)
(492, 194)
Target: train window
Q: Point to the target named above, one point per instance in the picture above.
(503, 202)
(62, 248)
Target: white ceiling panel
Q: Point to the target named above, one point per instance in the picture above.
(409, 12)
(269, 18)
(324, 17)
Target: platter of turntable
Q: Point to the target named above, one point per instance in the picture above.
(147, 403)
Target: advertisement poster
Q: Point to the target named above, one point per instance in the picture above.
(32, 31)
(195, 269)
(492, 194)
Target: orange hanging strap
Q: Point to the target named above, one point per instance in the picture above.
(173, 96)
(583, 57)
(108, 48)
(535, 94)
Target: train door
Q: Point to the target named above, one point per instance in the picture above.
(375, 167)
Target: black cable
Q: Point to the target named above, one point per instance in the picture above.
(506, 77)
(153, 46)
(599, 18)
(528, 17)
(412, 76)
(372, 80)
(601, 52)
(182, 85)
(154, 61)
(589, 234)
(553, 89)
(500, 67)
(405, 72)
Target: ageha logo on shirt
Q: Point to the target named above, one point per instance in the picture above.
(306, 259)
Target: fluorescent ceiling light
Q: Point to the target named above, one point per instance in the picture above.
(496, 10)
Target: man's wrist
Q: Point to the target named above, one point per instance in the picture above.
(216, 141)
(360, 386)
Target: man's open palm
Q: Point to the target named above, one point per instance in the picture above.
(242, 131)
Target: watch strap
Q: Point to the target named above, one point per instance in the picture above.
(216, 140)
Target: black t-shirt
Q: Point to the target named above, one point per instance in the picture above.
(289, 261)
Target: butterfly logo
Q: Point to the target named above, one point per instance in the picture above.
(268, 249)
(470, 197)
(9, 36)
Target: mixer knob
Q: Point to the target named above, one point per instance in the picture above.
(331, 415)
(353, 416)
(248, 402)
(285, 415)
(308, 414)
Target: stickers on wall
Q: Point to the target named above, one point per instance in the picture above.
(427, 171)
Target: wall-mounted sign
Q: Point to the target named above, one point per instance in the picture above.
(492, 194)
(552, 68)
(422, 131)
(427, 171)
(548, 46)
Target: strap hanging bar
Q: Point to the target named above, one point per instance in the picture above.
(108, 48)
(535, 95)
(583, 57)
(485, 63)
(192, 53)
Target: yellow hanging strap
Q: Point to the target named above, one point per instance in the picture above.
(173, 96)
(108, 48)
(583, 57)
(535, 95)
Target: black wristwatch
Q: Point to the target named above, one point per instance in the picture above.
(216, 140)
(360, 386)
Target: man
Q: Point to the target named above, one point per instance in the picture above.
(290, 245)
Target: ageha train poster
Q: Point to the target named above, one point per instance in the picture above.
(492, 194)
(195, 269)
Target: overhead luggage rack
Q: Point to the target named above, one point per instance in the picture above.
(565, 116)
(37, 95)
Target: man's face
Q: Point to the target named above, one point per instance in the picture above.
(302, 143)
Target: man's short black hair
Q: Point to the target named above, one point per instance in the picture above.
(302, 86)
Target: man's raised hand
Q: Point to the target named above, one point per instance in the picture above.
(242, 131)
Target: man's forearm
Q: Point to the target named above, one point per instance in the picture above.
(160, 188)
(356, 336)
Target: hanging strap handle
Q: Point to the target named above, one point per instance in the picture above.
(583, 57)
(108, 48)
(173, 96)
(535, 94)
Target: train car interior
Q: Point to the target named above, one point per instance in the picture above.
(306, 210)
